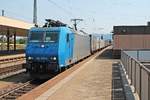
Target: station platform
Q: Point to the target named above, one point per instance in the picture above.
(97, 79)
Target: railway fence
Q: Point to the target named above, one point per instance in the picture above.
(138, 74)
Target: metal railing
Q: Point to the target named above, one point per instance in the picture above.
(140, 55)
(138, 74)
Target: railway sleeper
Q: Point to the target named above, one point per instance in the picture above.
(10, 69)
(29, 86)
(11, 60)
(15, 94)
(21, 91)
(27, 89)
(9, 97)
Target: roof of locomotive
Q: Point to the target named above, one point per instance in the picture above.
(58, 29)
(45, 29)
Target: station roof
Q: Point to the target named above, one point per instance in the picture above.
(20, 27)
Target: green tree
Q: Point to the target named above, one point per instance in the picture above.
(22, 41)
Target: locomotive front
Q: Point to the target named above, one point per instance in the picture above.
(42, 52)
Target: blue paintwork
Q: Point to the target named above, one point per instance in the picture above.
(65, 51)
(34, 50)
(61, 49)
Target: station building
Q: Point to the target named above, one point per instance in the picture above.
(10, 29)
(131, 38)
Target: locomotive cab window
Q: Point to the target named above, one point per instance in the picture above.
(36, 36)
(51, 37)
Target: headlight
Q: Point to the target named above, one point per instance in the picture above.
(53, 58)
(30, 58)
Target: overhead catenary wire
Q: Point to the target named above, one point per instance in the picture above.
(89, 14)
(62, 8)
(68, 12)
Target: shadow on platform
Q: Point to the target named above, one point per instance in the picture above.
(107, 54)
(117, 83)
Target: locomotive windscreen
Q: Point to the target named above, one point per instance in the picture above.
(51, 37)
(43, 36)
(36, 37)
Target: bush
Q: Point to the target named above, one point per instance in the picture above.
(22, 41)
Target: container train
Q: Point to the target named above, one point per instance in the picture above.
(55, 46)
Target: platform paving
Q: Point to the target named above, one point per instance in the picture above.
(92, 82)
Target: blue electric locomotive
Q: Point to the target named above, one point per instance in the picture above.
(54, 47)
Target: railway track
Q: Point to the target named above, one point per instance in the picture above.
(10, 60)
(11, 65)
(19, 90)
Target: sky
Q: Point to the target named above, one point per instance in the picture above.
(99, 16)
